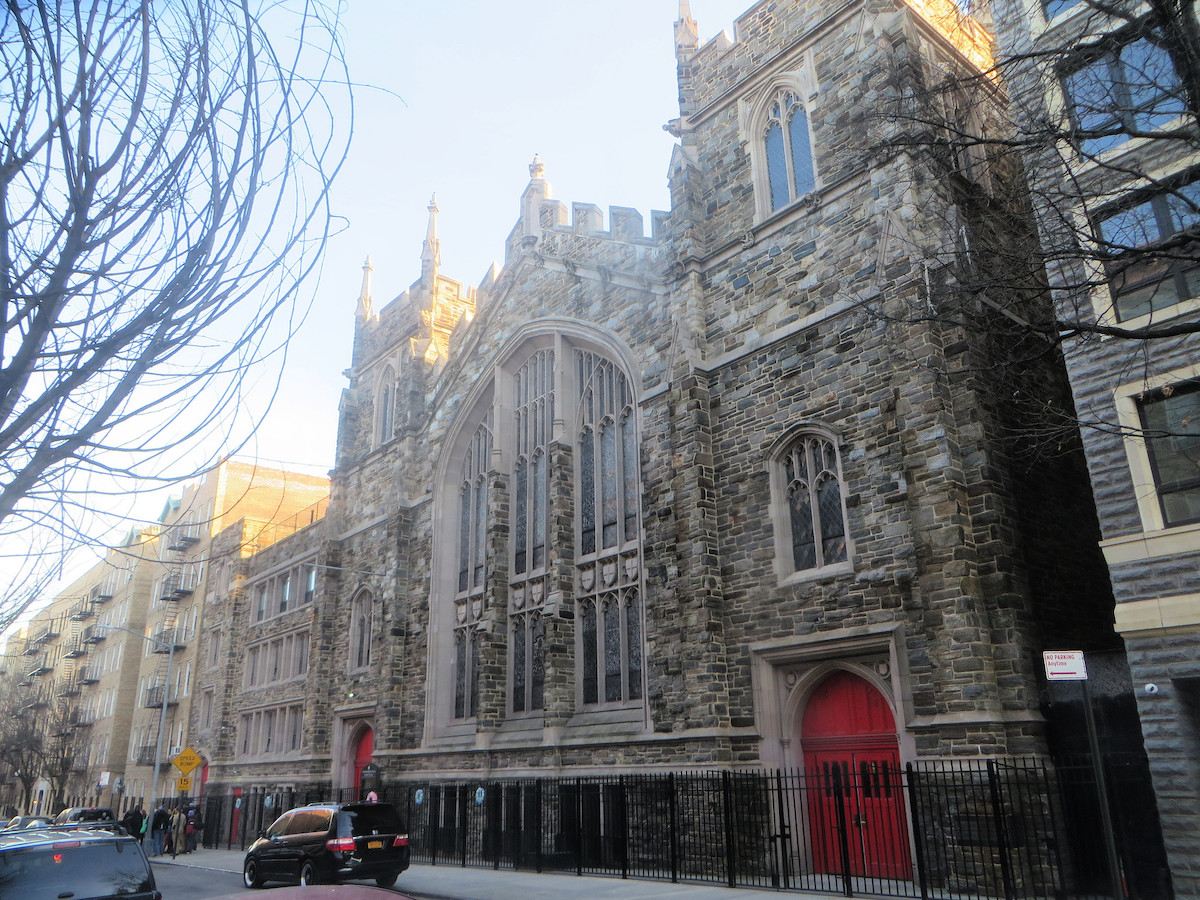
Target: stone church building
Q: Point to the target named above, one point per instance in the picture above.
(697, 492)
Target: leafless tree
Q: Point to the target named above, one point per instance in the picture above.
(164, 176)
(1067, 165)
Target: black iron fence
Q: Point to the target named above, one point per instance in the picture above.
(981, 828)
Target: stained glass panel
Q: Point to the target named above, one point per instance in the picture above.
(587, 492)
(633, 641)
(519, 671)
(612, 650)
(588, 639)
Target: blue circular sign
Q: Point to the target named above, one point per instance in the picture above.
(479, 796)
(419, 796)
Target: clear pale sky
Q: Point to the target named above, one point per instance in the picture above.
(486, 84)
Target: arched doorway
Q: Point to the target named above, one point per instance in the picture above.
(852, 761)
(363, 751)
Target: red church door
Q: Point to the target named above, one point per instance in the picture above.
(855, 790)
(362, 756)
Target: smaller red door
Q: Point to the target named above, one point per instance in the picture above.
(362, 756)
(853, 774)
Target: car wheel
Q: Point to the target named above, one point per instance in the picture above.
(387, 880)
(250, 876)
(308, 873)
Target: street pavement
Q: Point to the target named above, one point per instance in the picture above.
(447, 882)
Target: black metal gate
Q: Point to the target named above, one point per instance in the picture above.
(975, 829)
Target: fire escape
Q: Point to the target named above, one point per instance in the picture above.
(167, 636)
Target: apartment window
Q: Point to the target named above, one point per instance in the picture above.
(206, 709)
(295, 725)
(285, 591)
(310, 583)
(252, 667)
(1125, 87)
(214, 648)
(302, 653)
(809, 503)
(260, 603)
(1171, 424)
(1152, 251)
(1054, 7)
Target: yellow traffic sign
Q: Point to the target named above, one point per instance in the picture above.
(183, 784)
(187, 760)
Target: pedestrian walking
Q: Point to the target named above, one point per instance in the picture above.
(158, 830)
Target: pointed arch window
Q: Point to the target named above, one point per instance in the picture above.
(811, 506)
(788, 150)
(471, 600)
(385, 408)
(360, 632)
(533, 416)
(609, 612)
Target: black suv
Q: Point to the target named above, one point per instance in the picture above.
(329, 842)
(80, 861)
(85, 814)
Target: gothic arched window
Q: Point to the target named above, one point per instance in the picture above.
(385, 408)
(533, 389)
(609, 533)
(810, 497)
(788, 150)
(470, 599)
(360, 631)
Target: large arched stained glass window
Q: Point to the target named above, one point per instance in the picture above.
(533, 417)
(609, 611)
(470, 597)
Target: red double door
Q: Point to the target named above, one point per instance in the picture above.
(855, 792)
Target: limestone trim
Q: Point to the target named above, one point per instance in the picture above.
(1126, 398)
(1158, 614)
(784, 672)
(1152, 545)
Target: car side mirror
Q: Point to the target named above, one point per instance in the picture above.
(262, 832)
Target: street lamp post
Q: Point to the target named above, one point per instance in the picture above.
(162, 713)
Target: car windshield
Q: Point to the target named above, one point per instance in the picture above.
(105, 869)
(357, 820)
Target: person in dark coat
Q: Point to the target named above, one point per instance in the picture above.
(132, 821)
(158, 830)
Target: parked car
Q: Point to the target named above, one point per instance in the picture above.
(330, 842)
(85, 814)
(28, 822)
(75, 860)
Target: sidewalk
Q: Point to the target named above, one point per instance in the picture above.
(447, 882)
